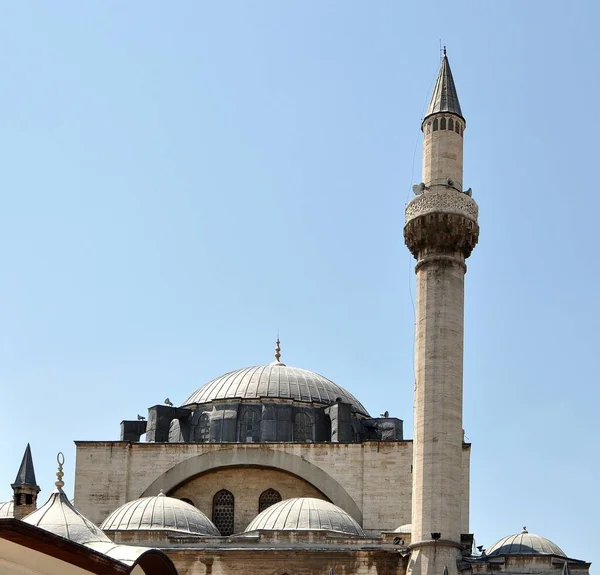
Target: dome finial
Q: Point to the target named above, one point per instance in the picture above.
(60, 459)
(277, 349)
(524, 530)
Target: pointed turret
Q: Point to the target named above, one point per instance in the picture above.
(443, 131)
(26, 474)
(444, 98)
(25, 487)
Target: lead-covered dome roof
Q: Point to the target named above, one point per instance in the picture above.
(6, 509)
(524, 543)
(59, 516)
(305, 514)
(159, 513)
(275, 380)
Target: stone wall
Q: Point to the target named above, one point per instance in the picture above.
(279, 553)
(246, 484)
(371, 480)
(285, 562)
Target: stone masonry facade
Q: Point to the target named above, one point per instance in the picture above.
(361, 478)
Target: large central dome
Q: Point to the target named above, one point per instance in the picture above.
(275, 380)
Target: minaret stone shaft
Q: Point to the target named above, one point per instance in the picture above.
(441, 230)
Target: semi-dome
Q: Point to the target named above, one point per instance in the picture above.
(275, 380)
(305, 514)
(524, 543)
(6, 509)
(159, 513)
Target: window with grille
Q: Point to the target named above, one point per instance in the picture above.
(250, 426)
(302, 427)
(223, 508)
(202, 431)
(268, 498)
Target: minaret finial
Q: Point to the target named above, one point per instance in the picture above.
(277, 350)
(444, 50)
(60, 459)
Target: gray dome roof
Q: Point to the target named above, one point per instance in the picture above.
(6, 509)
(305, 514)
(524, 543)
(274, 380)
(159, 513)
(59, 516)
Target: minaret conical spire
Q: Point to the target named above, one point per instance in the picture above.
(26, 474)
(444, 97)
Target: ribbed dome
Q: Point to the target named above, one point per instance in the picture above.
(6, 509)
(305, 514)
(159, 513)
(274, 380)
(524, 543)
(59, 516)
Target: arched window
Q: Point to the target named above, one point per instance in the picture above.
(188, 501)
(223, 511)
(302, 427)
(202, 431)
(268, 498)
(457, 127)
(429, 127)
(450, 124)
(443, 124)
(249, 426)
(435, 125)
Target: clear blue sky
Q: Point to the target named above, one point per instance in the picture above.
(182, 179)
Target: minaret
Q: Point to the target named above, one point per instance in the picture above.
(441, 231)
(25, 487)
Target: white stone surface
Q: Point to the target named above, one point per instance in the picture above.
(376, 475)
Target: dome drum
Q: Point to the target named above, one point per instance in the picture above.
(268, 420)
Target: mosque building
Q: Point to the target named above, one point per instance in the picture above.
(277, 470)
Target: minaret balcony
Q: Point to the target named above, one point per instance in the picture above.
(441, 222)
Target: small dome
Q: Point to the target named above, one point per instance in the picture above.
(305, 514)
(524, 543)
(274, 380)
(159, 513)
(59, 516)
(406, 528)
(6, 509)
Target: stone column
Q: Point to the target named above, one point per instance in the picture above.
(441, 231)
